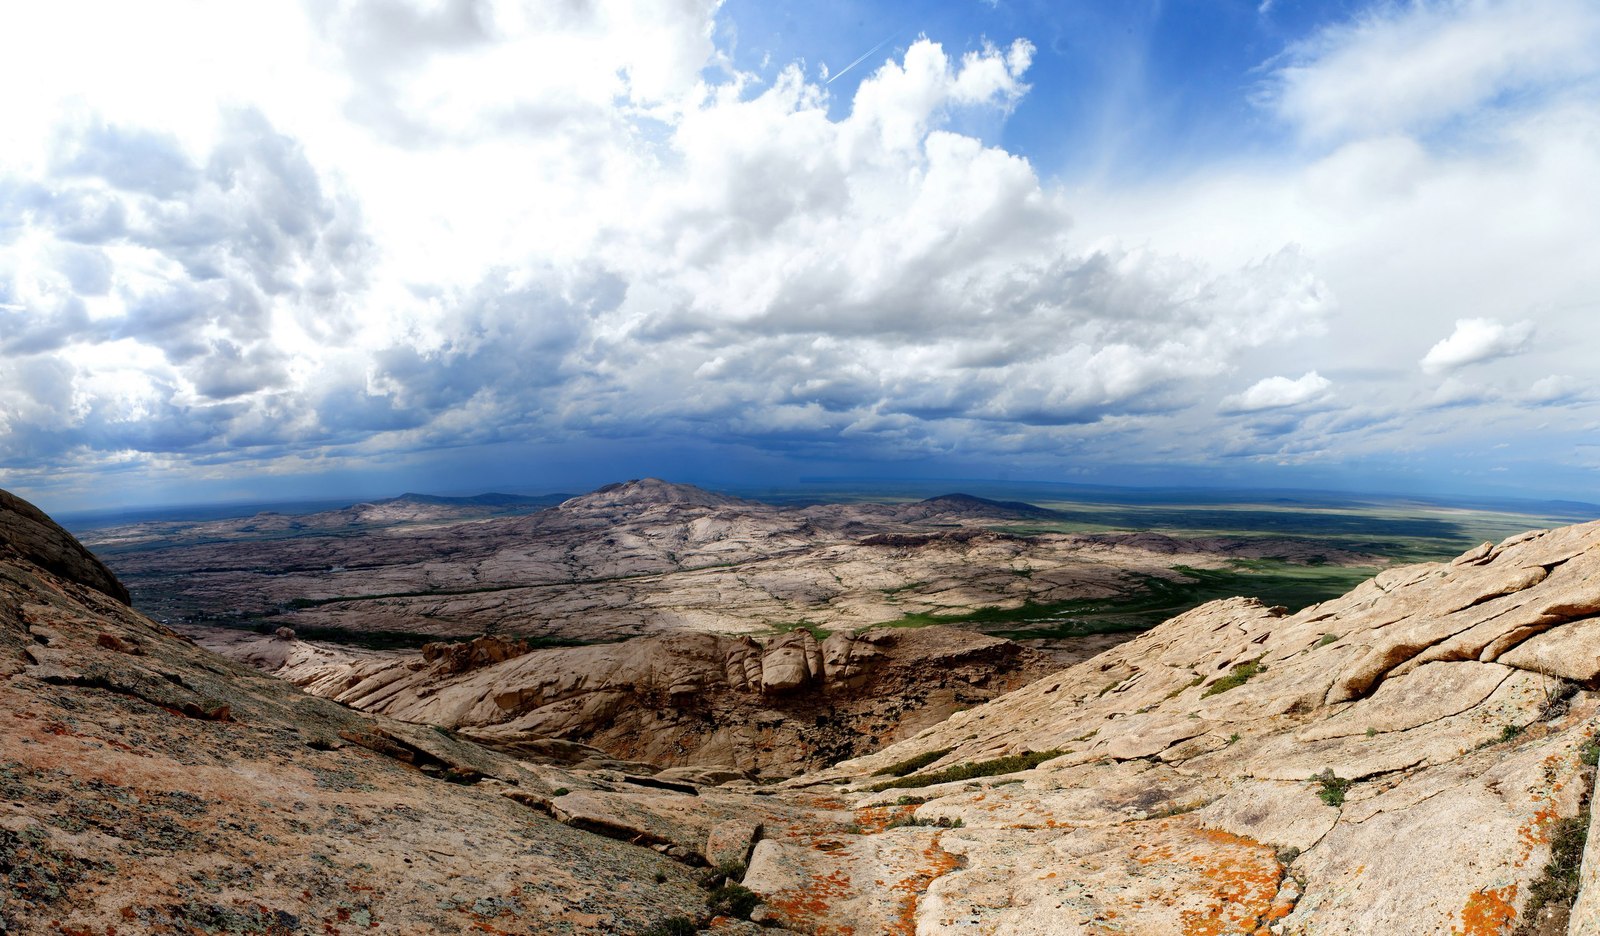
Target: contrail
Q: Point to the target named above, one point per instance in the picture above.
(858, 61)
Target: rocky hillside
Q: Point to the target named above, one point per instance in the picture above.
(150, 786)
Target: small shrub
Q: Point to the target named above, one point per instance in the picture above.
(1287, 855)
(1333, 787)
(909, 800)
(561, 791)
(1372, 732)
(733, 900)
(1236, 678)
(1589, 753)
(943, 822)
(673, 926)
(1509, 733)
(661, 877)
(911, 764)
(1327, 639)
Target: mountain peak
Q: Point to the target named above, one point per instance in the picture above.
(650, 492)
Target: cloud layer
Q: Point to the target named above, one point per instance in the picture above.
(442, 227)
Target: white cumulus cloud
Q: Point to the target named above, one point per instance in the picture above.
(1474, 341)
(1277, 393)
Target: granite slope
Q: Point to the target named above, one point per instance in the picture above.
(1393, 761)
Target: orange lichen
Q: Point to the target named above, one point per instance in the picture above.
(872, 819)
(911, 889)
(1488, 912)
(1244, 877)
(812, 904)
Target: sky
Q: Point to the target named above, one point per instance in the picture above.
(264, 250)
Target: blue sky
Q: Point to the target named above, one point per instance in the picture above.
(269, 250)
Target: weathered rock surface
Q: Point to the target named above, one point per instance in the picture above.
(1449, 750)
(685, 700)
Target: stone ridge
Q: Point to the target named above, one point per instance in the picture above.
(26, 533)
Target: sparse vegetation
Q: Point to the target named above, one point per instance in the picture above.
(1027, 760)
(1558, 885)
(1188, 685)
(911, 764)
(1327, 639)
(1333, 787)
(561, 791)
(816, 630)
(1240, 675)
(732, 900)
(943, 822)
(1178, 809)
(672, 926)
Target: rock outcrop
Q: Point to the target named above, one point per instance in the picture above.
(778, 708)
(27, 535)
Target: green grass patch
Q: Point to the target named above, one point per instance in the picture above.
(1013, 763)
(1237, 677)
(911, 764)
(817, 630)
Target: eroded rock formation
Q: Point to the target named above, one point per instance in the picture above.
(778, 708)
